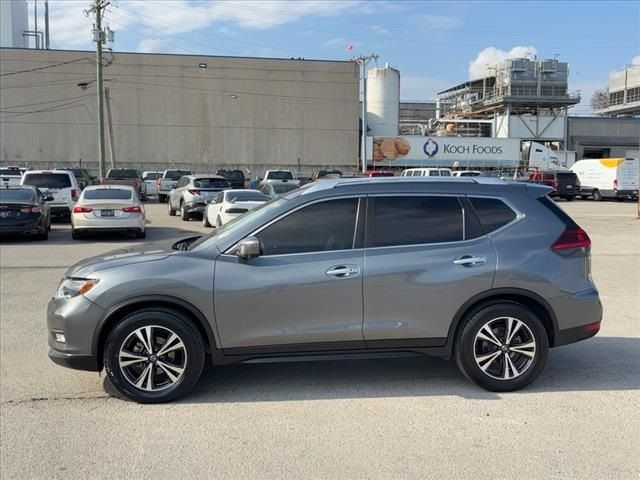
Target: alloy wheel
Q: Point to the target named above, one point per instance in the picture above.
(153, 358)
(504, 348)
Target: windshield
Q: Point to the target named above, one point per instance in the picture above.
(280, 175)
(244, 196)
(210, 183)
(176, 174)
(18, 195)
(152, 175)
(107, 194)
(227, 229)
(47, 180)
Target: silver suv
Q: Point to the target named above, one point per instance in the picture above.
(486, 272)
(192, 192)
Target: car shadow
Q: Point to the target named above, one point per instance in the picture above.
(599, 364)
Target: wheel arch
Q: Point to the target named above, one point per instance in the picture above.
(529, 299)
(119, 311)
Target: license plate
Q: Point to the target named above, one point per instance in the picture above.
(107, 213)
(569, 186)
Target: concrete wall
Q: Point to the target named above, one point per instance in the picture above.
(609, 134)
(238, 112)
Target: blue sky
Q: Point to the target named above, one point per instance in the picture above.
(434, 44)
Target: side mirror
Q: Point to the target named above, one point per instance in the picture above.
(49, 199)
(248, 248)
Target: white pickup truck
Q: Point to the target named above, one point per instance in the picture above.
(10, 176)
(168, 181)
(271, 176)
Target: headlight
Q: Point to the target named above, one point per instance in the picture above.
(70, 287)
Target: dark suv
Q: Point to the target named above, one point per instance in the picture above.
(235, 177)
(486, 272)
(564, 184)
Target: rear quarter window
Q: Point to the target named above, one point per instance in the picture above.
(492, 213)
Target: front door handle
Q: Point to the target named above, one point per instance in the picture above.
(342, 271)
(470, 261)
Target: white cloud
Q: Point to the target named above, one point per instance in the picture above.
(153, 46)
(379, 29)
(492, 55)
(421, 88)
(70, 28)
(635, 60)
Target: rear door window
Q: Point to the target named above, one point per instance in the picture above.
(415, 220)
(492, 213)
(48, 180)
(434, 173)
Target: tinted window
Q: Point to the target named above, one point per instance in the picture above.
(47, 180)
(566, 176)
(123, 173)
(211, 183)
(107, 194)
(242, 196)
(281, 188)
(319, 227)
(416, 220)
(77, 172)
(492, 213)
(445, 173)
(434, 173)
(18, 195)
(152, 176)
(280, 175)
(10, 171)
(176, 174)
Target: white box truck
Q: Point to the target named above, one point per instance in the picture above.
(608, 177)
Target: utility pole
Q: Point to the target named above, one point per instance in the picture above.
(112, 153)
(362, 61)
(35, 22)
(46, 24)
(99, 37)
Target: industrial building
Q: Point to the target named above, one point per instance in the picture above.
(624, 93)
(14, 25)
(197, 112)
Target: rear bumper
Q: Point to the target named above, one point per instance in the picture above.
(108, 224)
(578, 316)
(626, 193)
(195, 207)
(23, 228)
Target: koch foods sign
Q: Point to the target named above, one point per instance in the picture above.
(416, 150)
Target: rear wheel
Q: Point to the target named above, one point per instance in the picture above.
(218, 222)
(44, 235)
(205, 220)
(75, 234)
(502, 347)
(184, 215)
(154, 356)
(172, 212)
(162, 198)
(141, 233)
(597, 196)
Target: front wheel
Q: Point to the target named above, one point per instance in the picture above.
(597, 196)
(184, 214)
(153, 356)
(502, 347)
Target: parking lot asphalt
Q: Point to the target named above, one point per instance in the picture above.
(369, 418)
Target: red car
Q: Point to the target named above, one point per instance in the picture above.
(380, 173)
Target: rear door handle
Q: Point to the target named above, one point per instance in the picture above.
(342, 271)
(470, 261)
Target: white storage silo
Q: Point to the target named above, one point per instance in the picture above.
(383, 101)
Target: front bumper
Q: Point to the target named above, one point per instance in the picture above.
(578, 315)
(77, 318)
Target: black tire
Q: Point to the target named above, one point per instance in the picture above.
(569, 199)
(620, 199)
(184, 215)
(161, 198)
(165, 319)
(465, 347)
(597, 196)
(205, 220)
(44, 235)
(584, 197)
(218, 222)
(75, 235)
(172, 212)
(141, 234)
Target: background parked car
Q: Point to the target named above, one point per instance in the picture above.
(326, 174)
(150, 179)
(83, 177)
(380, 173)
(608, 177)
(426, 172)
(236, 177)
(565, 184)
(126, 176)
(467, 173)
(58, 185)
(108, 208)
(229, 204)
(24, 211)
(274, 190)
(168, 180)
(10, 176)
(191, 193)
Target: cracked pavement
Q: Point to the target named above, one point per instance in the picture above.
(401, 417)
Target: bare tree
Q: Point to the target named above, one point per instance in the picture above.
(600, 100)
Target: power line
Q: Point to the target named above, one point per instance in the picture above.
(45, 67)
(44, 103)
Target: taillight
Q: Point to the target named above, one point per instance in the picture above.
(103, 181)
(132, 210)
(571, 238)
(136, 184)
(158, 183)
(554, 184)
(31, 210)
(194, 192)
(82, 209)
(615, 185)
